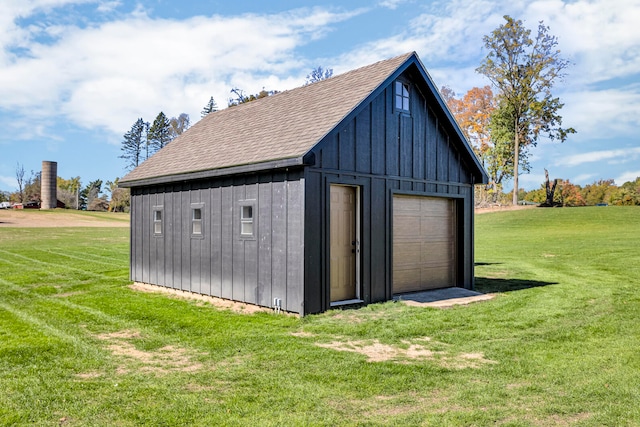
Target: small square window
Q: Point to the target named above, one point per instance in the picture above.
(402, 96)
(157, 222)
(196, 221)
(246, 220)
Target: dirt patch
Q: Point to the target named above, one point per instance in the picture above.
(385, 409)
(31, 218)
(417, 349)
(88, 375)
(236, 307)
(449, 302)
(378, 352)
(161, 361)
(302, 334)
(503, 208)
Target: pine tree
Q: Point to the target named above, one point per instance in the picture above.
(159, 132)
(134, 143)
(210, 107)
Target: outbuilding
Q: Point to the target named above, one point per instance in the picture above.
(348, 190)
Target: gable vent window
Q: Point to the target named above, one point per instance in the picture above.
(246, 221)
(157, 221)
(402, 97)
(196, 221)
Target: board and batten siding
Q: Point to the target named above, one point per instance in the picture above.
(385, 152)
(221, 262)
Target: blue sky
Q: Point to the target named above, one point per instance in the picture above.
(76, 74)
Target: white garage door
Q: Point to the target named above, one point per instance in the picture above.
(424, 243)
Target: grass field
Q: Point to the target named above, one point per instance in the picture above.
(558, 346)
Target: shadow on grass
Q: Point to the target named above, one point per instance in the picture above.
(488, 285)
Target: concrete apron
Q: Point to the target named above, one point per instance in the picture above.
(442, 298)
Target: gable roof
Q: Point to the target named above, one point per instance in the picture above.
(276, 131)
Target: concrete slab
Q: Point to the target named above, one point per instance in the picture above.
(442, 298)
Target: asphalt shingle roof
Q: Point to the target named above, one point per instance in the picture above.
(282, 126)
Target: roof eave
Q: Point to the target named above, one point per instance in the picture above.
(213, 173)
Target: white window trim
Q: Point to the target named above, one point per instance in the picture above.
(155, 222)
(194, 207)
(251, 220)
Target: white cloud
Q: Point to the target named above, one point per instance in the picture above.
(627, 177)
(611, 156)
(108, 6)
(530, 180)
(391, 4)
(601, 113)
(450, 32)
(601, 36)
(108, 75)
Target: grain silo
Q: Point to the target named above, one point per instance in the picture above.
(48, 185)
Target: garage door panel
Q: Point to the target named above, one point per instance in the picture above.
(405, 252)
(433, 228)
(408, 225)
(424, 250)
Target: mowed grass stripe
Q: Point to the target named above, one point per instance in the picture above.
(62, 299)
(85, 259)
(43, 328)
(30, 260)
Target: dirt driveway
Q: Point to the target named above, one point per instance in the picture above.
(61, 218)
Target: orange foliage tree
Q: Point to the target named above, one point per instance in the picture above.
(473, 112)
(571, 194)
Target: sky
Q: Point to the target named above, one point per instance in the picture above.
(76, 74)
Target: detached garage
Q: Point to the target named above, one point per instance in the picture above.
(348, 190)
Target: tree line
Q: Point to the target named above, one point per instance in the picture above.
(94, 196)
(602, 192)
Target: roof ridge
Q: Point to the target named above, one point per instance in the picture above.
(285, 125)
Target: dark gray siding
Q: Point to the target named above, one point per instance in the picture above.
(385, 152)
(221, 263)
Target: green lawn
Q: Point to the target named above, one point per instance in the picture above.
(558, 346)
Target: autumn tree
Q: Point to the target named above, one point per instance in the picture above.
(179, 124)
(241, 98)
(210, 107)
(473, 113)
(598, 192)
(120, 200)
(318, 74)
(524, 70)
(570, 194)
(69, 191)
(628, 194)
(33, 188)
